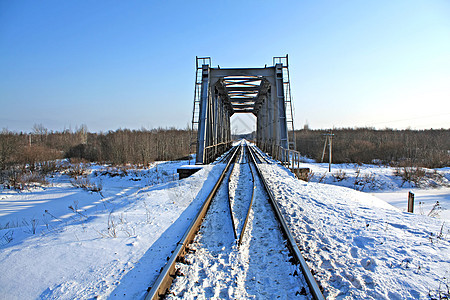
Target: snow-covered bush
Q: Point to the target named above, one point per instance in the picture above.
(85, 183)
(340, 175)
(420, 177)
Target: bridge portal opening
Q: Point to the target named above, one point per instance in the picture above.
(223, 94)
(243, 126)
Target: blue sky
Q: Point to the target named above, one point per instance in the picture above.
(131, 64)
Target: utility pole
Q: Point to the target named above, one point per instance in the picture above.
(329, 139)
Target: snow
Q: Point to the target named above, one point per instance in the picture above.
(381, 182)
(191, 167)
(424, 200)
(258, 268)
(357, 238)
(360, 246)
(75, 255)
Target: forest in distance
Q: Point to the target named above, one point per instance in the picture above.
(424, 148)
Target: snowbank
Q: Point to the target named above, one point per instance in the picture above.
(360, 246)
(123, 237)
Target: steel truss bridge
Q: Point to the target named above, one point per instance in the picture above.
(221, 92)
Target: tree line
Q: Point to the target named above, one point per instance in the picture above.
(425, 148)
(116, 147)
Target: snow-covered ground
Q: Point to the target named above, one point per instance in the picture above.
(381, 182)
(122, 236)
(62, 242)
(359, 246)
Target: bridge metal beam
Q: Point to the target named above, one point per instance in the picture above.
(283, 139)
(225, 91)
(220, 73)
(203, 116)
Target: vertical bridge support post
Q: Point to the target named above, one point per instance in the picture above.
(202, 127)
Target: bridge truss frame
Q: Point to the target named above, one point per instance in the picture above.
(222, 92)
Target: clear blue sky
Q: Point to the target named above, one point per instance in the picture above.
(130, 64)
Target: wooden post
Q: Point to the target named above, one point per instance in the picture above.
(330, 139)
(410, 202)
(324, 148)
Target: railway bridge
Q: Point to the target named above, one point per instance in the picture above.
(221, 92)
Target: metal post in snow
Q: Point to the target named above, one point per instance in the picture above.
(293, 160)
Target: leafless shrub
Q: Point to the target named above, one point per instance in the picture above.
(410, 174)
(112, 226)
(48, 167)
(441, 235)
(435, 178)
(435, 210)
(77, 170)
(46, 212)
(10, 224)
(116, 171)
(23, 179)
(86, 184)
(122, 219)
(148, 214)
(130, 231)
(357, 172)
(309, 176)
(7, 237)
(31, 226)
(111, 229)
(74, 208)
(340, 175)
(419, 177)
(46, 221)
(33, 177)
(78, 161)
(367, 179)
(359, 183)
(322, 178)
(443, 292)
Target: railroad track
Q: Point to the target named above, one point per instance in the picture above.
(239, 246)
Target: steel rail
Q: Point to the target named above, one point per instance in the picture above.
(165, 278)
(292, 245)
(261, 157)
